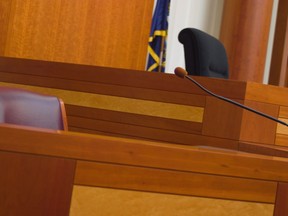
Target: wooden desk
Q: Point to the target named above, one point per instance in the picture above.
(40, 168)
(157, 106)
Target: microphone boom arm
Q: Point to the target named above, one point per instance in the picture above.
(180, 72)
(236, 103)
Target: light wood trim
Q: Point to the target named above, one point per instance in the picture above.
(88, 200)
(283, 113)
(173, 182)
(281, 139)
(122, 104)
(282, 129)
(89, 88)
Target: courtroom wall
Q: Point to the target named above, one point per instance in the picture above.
(110, 33)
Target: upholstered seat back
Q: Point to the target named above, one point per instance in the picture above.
(204, 54)
(26, 108)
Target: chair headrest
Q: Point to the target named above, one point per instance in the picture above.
(205, 55)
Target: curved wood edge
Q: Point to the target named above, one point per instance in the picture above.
(63, 114)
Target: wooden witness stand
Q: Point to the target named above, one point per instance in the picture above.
(133, 146)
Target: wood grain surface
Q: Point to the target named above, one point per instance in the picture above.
(109, 33)
(35, 185)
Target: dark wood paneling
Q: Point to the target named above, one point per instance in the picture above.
(34, 185)
(141, 132)
(278, 69)
(66, 76)
(173, 182)
(281, 207)
(78, 114)
(255, 148)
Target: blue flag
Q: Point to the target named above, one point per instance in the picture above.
(157, 39)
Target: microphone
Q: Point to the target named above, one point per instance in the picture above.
(180, 72)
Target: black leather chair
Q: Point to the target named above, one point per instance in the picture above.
(26, 108)
(204, 54)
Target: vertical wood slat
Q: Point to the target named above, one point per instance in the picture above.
(281, 203)
(244, 32)
(218, 118)
(279, 62)
(5, 8)
(256, 128)
(108, 33)
(35, 185)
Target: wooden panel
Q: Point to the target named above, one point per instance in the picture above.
(51, 74)
(211, 172)
(244, 32)
(150, 154)
(283, 113)
(281, 207)
(32, 83)
(89, 114)
(86, 201)
(218, 118)
(281, 139)
(109, 33)
(256, 128)
(256, 148)
(273, 94)
(5, 8)
(144, 105)
(278, 70)
(152, 134)
(144, 179)
(282, 129)
(35, 185)
(142, 132)
(122, 104)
